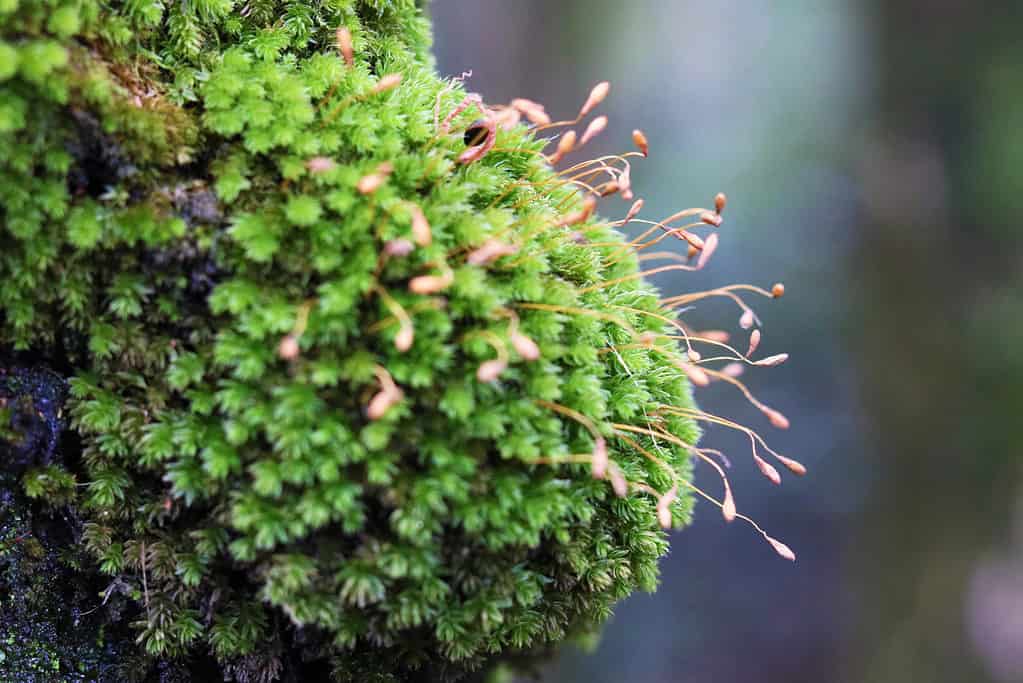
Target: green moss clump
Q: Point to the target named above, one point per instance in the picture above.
(189, 233)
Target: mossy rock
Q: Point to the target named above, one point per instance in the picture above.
(231, 242)
(53, 625)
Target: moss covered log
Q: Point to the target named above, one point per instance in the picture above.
(352, 382)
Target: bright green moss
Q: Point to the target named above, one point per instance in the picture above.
(186, 225)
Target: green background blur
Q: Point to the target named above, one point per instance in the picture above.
(873, 156)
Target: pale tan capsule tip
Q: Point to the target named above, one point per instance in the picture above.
(597, 96)
(778, 290)
(534, 111)
(507, 118)
(618, 482)
(588, 207)
(746, 320)
(754, 342)
(782, 549)
(696, 374)
(639, 139)
(428, 284)
(768, 470)
(388, 82)
(663, 507)
(636, 207)
(664, 517)
(490, 370)
(490, 251)
(566, 144)
(344, 45)
(382, 402)
(320, 165)
(288, 348)
(772, 361)
(420, 227)
(777, 419)
(794, 466)
(598, 464)
(538, 116)
(403, 340)
(733, 370)
(719, 202)
(398, 247)
(368, 184)
(710, 245)
(593, 130)
(715, 335)
(378, 405)
(525, 346)
(728, 506)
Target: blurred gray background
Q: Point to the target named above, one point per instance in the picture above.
(871, 152)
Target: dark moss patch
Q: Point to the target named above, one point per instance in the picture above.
(33, 400)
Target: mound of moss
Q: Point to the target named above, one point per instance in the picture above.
(314, 427)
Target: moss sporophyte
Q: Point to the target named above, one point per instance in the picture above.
(358, 382)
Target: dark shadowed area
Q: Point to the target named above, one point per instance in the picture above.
(871, 154)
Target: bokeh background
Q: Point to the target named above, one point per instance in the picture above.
(873, 156)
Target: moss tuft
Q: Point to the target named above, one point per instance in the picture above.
(339, 389)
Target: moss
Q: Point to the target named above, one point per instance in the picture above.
(308, 438)
(32, 400)
(53, 625)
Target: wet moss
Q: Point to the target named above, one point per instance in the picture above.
(288, 453)
(53, 623)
